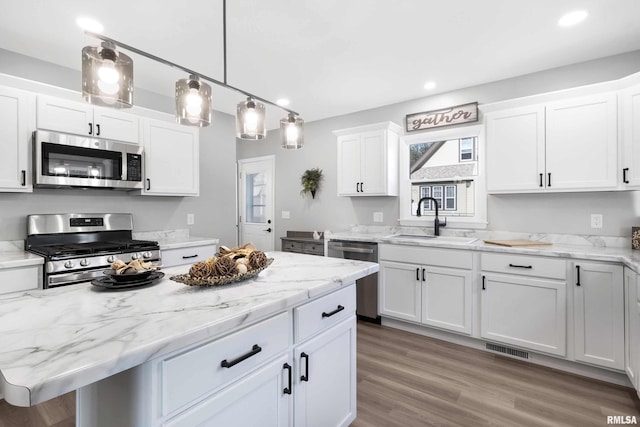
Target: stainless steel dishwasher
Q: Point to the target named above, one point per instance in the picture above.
(367, 287)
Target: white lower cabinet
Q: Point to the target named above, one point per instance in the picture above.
(259, 399)
(632, 327)
(20, 279)
(599, 314)
(427, 285)
(523, 302)
(325, 391)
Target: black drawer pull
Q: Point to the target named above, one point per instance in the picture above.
(189, 256)
(305, 377)
(577, 275)
(336, 311)
(254, 350)
(287, 390)
(520, 266)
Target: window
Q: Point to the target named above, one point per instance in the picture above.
(445, 165)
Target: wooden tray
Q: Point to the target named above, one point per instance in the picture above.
(517, 242)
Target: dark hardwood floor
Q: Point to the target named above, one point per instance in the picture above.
(408, 380)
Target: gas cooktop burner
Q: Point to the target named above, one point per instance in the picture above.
(93, 248)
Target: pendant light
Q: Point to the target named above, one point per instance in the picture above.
(250, 120)
(291, 132)
(193, 102)
(107, 76)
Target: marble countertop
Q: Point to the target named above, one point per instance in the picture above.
(561, 246)
(19, 259)
(175, 239)
(56, 340)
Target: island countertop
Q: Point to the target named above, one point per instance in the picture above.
(56, 340)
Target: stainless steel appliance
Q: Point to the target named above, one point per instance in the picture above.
(79, 247)
(62, 160)
(367, 287)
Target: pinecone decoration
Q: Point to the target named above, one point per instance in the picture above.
(200, 270)
(225, 267)
(212, 263)
(257, 259)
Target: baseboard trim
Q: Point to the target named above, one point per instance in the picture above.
(602, 374)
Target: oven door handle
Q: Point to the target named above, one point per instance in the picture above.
(352, 249)
(82, 276)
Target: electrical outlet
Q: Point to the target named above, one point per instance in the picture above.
(596, 220)
(191, 219)
(285, 215)
(378, 217)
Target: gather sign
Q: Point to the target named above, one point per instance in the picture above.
(444, 117)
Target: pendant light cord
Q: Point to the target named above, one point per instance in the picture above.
(224, 38)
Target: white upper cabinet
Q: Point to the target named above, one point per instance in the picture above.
(568, 145)
(171, 159)
(630, 112)
(79, 118)
(515, 149)
(368, 160)
(581, 143)
(16, 124)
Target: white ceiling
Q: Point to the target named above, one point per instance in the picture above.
(329, 57)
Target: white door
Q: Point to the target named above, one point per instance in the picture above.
(16, 124)
(400, 287)
(256, 199)
(446, 299)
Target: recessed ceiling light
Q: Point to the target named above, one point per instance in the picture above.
(89, 24)
(572, 18)
(282, 102)
(429, 85)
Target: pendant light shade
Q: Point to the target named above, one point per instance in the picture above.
(291, 132)
(193, 102)
(250, 120)
(107, 76)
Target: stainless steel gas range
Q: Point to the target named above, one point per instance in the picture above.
(79, 247)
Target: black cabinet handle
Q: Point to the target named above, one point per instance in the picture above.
(549, 185)
(483, 287)
(541, 184)
(362, 187)
(305, 377)
(24, 178)
(189, 256)
(417, 273)
(336, 311)
(90, 128)
(357, 187)
(577, 275)
(254, 350)
(97, 130)
(287, 390)
(423, 278)
(624, 175)
(148, 184)
(520, 266)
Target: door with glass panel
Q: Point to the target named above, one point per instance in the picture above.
(256, 185)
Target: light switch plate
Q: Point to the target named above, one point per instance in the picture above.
(378, 217)
(191, 219)
(596, 220)
(285, 215)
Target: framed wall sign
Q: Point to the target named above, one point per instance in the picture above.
(444, 117)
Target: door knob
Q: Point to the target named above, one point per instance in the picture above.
(268, 230)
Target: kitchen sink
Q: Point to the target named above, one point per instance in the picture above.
(421, 237)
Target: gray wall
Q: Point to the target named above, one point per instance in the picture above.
(551, 213)
(214, 210)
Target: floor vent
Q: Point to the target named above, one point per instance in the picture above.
(507, 350)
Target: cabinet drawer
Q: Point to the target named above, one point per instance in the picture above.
(20, 279)
(190, 255)
(324, 312)
(192, 374)
(524, 265)
(313, 248)
(427, 256)
(289, 246)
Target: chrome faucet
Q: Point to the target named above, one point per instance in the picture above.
(436, 222)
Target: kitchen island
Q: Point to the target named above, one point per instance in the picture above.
(56, 340)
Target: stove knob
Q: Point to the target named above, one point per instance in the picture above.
(68, 264)
(112, 258)
(85, 262)
(147, 254)
(135, 256)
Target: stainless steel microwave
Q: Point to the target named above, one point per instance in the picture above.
(64, 160)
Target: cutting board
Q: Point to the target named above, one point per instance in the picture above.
(517, 242)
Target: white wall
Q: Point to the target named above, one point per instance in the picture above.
(214, 210)
(553, 213)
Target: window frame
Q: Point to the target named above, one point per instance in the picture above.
(479, 219)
